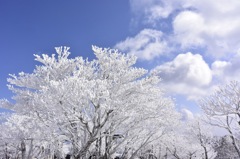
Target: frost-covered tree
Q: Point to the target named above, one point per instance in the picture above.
(181, 144)
(201, 133)
(225, 148)
(189, 139)
(223, 110)
(21, 137)
(85, 103)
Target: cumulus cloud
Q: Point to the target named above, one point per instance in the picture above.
(205, 26)
(219, 67)
(146, 45)
(188, 28)
(226, 71)
(187, 74)
(187, 115)
(218, 33)
(190, 68)
(213, 25)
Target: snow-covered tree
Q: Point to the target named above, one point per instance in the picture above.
(21, 137)
(223, 110)
(180, 143)
(189, 139)
(81, 102)
(224, 148)
(202, 133)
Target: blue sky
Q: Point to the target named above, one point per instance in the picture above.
(192, 44)
(35, 27)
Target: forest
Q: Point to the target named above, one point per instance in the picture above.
(107, 108)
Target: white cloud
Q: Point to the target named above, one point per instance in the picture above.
(188, 29)
(218, 33)
(213, 25)
(151, 10)
(186, 114)
(226, 71)
(187, 74)
(187, 68)
(146, 45)
(219, 67)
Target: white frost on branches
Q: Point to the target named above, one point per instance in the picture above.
(85, 103)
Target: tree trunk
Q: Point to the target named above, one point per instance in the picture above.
(205, 152)
(23, 150)
(232, 137)
(235, 145)
(100, 145)
(83, 152)
(30, 149)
